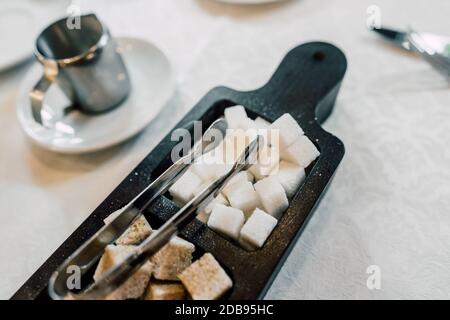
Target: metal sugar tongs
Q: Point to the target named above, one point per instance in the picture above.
(91, 251)
(435, 49)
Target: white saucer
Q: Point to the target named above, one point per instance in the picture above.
(20, 23)
(152, 84)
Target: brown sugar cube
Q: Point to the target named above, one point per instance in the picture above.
(205, 279)
(173, 258)
(132, 288)
(135, 286)
(165, 291)
(135, 233)
(138, 231)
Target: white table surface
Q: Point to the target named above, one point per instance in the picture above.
(389, 202)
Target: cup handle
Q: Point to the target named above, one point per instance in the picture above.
(40, 88)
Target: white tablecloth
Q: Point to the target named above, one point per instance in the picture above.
(389, 202)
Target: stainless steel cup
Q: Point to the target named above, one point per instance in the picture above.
(84, 62)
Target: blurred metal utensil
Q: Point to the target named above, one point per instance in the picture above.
(399, 38)
(437, 60)
(435, 49)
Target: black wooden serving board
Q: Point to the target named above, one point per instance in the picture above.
(305, 85)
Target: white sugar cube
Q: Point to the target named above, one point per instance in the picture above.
(252, 130)
(259, 132)
(290, 176)
(220, 199)
(222, 169)
(203, 213)
(262, 123)
(243, 196)
(211, 165)
(245, 245)
(248, 124)
(288, 131)
(234, 116)
(183, 189)
(206, 166)
(268, 159)
(250, 176)
(239, 177)
(272, 196)
(252, 134)
(257, 229)
(234, 144)
(219, 167)
(200, 210)
(203, 216)
(202, 187)
(226, 220)
(301, 152)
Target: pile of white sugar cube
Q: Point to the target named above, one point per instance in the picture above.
(249, 206)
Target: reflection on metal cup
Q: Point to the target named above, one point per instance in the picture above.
(84, 62)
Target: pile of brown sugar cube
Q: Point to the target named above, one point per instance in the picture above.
(170, 274)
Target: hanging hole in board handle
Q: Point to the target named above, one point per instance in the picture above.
(319, 56)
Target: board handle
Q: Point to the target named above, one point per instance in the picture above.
(305, 83)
